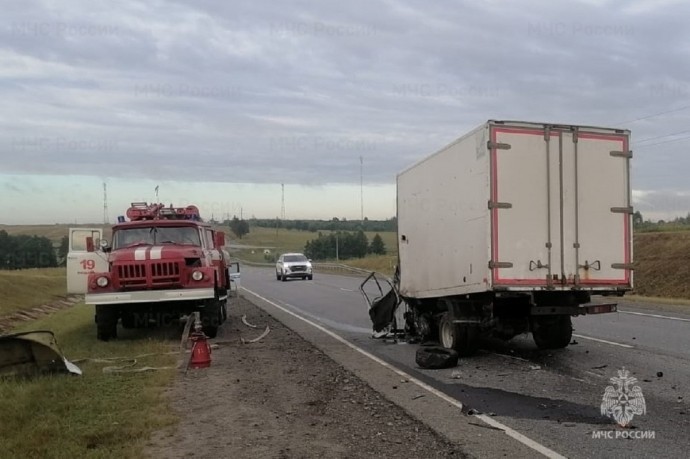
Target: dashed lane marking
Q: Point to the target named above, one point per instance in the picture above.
(656, 316)
(628, 346)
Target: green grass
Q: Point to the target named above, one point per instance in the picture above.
(94, 415)
(27, 288)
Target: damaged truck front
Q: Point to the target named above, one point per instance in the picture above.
(512, 229)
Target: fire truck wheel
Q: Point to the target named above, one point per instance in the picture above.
(552, 332)
(106, 322)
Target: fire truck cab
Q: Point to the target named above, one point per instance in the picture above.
(162, 264)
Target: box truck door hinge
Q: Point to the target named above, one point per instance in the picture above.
(622, 210)
(499, 205)
(497, 145)
(622, 266)
(621, 154)
(500, 264)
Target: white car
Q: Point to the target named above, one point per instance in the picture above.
(293, 265)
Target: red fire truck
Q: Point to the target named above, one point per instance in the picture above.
(162, 264)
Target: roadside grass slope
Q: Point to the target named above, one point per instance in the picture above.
(28, 288)
(662, 264)
(94, 415)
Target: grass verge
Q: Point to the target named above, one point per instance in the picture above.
(94, 415)
(27, 288)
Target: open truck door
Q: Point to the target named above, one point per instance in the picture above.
(84, 257)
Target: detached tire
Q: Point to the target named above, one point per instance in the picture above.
(436, 357)
(552, 332)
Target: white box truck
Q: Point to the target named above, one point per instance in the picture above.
(510, 229)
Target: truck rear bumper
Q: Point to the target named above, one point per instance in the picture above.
(150, 296)
(574, 310)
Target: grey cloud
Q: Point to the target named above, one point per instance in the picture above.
(296, 93)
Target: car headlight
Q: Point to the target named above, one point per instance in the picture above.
(197, 275)
(102, 281)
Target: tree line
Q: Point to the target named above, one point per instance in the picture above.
(343, 246)
(23, 251)
(334, 224)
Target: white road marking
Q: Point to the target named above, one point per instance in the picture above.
(604, 341)
(140, 253)
(456, 403)
(657, 316)
(346, 289)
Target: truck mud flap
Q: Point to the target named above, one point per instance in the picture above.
(382, 305)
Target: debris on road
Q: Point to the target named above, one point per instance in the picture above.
(258, 338)
(244, 321)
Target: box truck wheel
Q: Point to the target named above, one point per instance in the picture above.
(462, 338)
(552, 332)
(106, 322)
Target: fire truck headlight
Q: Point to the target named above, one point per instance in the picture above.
(197, 275)
(102, 281)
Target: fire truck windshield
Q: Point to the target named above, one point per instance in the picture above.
(130, 237)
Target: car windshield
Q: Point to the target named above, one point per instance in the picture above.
(129, 237)
(293, 258)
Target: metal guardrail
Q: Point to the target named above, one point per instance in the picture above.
(339, 267)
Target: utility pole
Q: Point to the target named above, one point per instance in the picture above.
(282, 202)
(105, 203)
(361, 188)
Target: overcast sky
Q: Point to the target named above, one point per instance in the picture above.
(220, 102)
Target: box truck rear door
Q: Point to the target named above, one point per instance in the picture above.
(560, 207)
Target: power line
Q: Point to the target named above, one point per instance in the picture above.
(661, 136)
(663, 142)
(653, 115)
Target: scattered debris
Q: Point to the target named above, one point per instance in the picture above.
(600, 367)
(472, 412)
(33, 353)
(258, 338)
(244, 321)
(486, 426)
(534, 367)
(418, 396)
(456, 374)
(659, 374)
(573, 342)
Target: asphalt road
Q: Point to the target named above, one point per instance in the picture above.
(551, 397)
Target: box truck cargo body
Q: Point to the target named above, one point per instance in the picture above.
(518, 206)
(512, 227)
